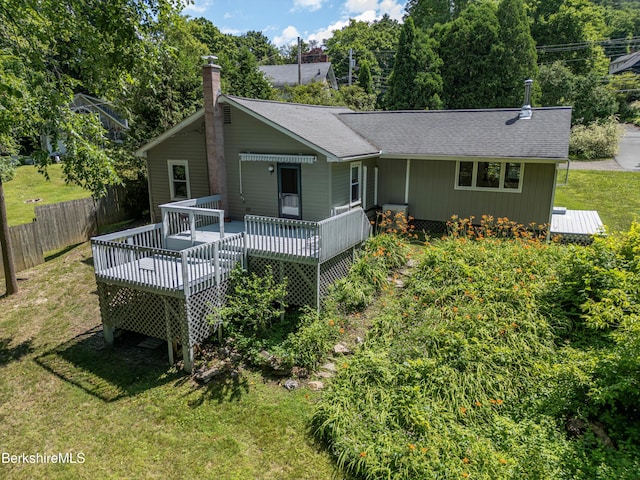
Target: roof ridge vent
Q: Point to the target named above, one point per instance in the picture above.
(526, 112)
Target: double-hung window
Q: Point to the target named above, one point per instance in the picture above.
(356, 184)
(179, 179)
(499, 176)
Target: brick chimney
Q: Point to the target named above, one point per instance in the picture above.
(214, 135)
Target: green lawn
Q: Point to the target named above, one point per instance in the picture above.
(614, 194)
(28, 184)
(126, 410)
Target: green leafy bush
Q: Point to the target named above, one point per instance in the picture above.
(596, 140)
(255, 301)
(314, 337)
(490, 355)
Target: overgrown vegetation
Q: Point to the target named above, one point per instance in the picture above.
(257, 326)
(597, 140)
(501, 358)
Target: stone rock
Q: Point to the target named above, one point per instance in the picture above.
(359, 340)
(291, 384)
(412, 263)
(399, 283)
(205, 376)
(316, 385)
(341, 348)
(325, 374)
(266, 355)
(299, 372)
(329, 367)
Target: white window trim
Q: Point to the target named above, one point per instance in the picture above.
(355, 203)
(185, 164)
(501, 188)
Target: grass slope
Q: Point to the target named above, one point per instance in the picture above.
(28, 184)
(62, 390)
(613, 194)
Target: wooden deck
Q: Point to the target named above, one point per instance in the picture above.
(575, 225)
(175, 262)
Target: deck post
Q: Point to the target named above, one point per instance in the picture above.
(107, 333)
(165, 226)
(167, 319)
(318, 279)
(187, 357)
(221, 223)
(192, 227)
(216, 262)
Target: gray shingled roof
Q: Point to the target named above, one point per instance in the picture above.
(496, 133)
(281, 75)
(630, 62)
(315, 125)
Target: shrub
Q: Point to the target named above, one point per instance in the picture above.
(314, 338)
(254, 303)
(381, 254)
(594, 141)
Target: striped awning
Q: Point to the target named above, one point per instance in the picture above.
(277, 158)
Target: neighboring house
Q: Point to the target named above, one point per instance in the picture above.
(303, 161)
(626, 63)
(113, 122)
(281, 75)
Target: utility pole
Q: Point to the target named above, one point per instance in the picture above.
(299, 61)
(350, 65)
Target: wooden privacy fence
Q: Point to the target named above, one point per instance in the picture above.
(62, 224)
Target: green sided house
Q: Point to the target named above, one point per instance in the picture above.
(289, 185)
(308, 162)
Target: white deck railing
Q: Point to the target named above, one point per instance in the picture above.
(189, 215)
(210, 264)
(342, 232)
(281, 238)
(139, 256)
(136, 257)
(297, 239)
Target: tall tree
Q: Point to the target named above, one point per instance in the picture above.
(59, 48)
(427, 13)
(415, 82)
(242, 76)
(364, 78)
(567, 30)
(470, 49)
(590, 98)
(260, 46)
(372, 43)
(517, 55)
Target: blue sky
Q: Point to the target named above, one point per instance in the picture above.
(283, 21)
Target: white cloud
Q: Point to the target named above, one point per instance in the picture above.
(392, 8)
(288, 36)
(231, 31)
(360, 6)
(311, 5)
(327, 32)
(195, 6)
(367, 11)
